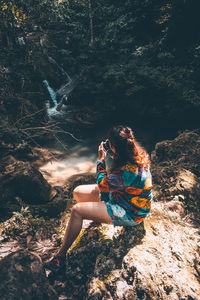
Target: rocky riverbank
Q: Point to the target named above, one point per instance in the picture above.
(159, 259)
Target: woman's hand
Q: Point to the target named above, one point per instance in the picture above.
(102, 152)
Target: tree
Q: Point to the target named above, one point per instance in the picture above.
(91, 23)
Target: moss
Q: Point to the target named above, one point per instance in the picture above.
(79, 242)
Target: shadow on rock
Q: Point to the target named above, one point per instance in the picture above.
(98, 251)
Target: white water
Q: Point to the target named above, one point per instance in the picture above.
(59, 96)
(80, 160)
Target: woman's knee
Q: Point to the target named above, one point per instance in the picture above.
(87, 192)
(77, 192)
(76, 210)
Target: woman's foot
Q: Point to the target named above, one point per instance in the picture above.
(56, 264)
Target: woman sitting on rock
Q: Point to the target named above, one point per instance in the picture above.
(121, 197)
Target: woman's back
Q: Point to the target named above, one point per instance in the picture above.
(130, 187)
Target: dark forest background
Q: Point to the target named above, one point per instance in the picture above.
(134, 59)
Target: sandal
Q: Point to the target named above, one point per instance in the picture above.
(56, 264)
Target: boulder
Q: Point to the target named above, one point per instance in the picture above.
(158, 259)
(183, 151)
(23, 185)
(170, 183)
(22, 180)
(53, 208)
(175, 172)
(22, 277)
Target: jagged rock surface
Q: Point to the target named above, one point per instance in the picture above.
(157, 260)
(183, 151)
(175, 171)
(21, 179)
(22, 277)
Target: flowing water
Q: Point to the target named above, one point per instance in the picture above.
(60, 96)
(79, 159)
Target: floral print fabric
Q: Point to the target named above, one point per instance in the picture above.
(127, 193)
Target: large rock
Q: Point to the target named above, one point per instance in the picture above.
(22, 180)
(183, 151)
(23, 185)
(59, 201)
(174, 183)
(175, 171)
(22, 277)
(156, 260)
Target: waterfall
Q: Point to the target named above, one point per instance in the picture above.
(51, 111)
(51, 92)
(59, 97)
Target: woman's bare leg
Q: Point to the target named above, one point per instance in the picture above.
(96, 211)
(86, 193)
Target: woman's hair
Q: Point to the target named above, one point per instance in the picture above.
(127, 148)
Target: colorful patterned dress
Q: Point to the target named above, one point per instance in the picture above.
(127, 192)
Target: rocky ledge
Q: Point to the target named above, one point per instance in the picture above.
(175, 171)
(159, 259)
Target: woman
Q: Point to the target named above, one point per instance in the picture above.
(122, 198)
